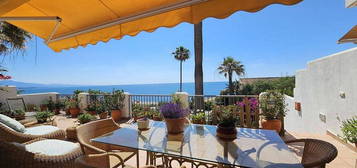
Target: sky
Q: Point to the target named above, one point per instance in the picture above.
(277, 41)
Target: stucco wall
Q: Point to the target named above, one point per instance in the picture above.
(5, 92)
(38, 98)
(319, 88)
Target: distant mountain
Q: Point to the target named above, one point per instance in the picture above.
(27, 85)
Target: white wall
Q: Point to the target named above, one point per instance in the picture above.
(38, 98)
(318, 88)
(7, 91)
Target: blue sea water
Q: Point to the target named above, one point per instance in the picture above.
(210, 88)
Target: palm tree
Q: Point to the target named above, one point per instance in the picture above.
(12, 39)
(181, 54)
(198, 58)
(228, 67)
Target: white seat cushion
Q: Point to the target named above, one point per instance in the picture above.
(40, 130)
(15, 125)
(52, 147)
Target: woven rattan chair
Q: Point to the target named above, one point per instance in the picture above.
(16, 156)
(94, 129)
(98, 161)
(10, 135)
(316, 153)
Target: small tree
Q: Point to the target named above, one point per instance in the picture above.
(181, 54)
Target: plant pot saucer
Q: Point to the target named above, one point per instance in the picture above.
(143, 129)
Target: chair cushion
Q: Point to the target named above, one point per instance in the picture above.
(52, 147)
(17, 126)
(40, 130)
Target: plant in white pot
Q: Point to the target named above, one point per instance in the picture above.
(175, 117)
(273, 108)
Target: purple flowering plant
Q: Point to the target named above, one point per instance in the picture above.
(173, 110)
(253, 102)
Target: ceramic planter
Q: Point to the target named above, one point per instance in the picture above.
(74, 112)
(157, 118)
(226, 133)
(199, 121)
(175, 125)
(143, 124)
(272, 125)
(116, 115)
(67, 112)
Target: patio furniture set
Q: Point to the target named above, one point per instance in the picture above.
(103, 143)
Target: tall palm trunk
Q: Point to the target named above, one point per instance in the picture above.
(180, 76)
(198, 65)
(230, 83)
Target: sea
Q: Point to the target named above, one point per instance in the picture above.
(210, 88)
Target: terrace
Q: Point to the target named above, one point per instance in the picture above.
(314, 128)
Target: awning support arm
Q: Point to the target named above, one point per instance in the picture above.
(36, 18)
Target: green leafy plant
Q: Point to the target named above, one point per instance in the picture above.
(349, 129)
(42, 116)
(272, 105)
(115, 101)
(59, 104)
(225, 116)
(198, 118)
(91, 106)
(19, 112)
(84, 118)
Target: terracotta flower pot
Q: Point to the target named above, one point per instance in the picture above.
(43, 107)
(67, 112)
(199, 122)
(156, 118)
(175, 125)
(74, 112)
(272, 125)
(103, 115)
(116, 115)
(226, 133)
(57, 111)
(92, 112)
(20, 117)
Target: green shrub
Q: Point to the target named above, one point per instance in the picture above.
(272, 105)
(42, 116)
(198, 118)
(349, 130)
(84, 118)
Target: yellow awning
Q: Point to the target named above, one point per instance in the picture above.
(351, 36)
(90, 21)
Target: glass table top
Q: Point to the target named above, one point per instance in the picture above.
(252, 148)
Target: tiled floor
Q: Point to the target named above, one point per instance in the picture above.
(346, 158)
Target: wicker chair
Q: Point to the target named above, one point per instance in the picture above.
(316, 153)
(10, 135)
(98, 161)
(16, 156)
(98, 128)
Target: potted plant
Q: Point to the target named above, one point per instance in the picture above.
(50, 105)
(85, 118)
(226, 118)
(42, 116)
(102, 110)
(156, 115)
(115, 103)
(58, 106)
(92, 108)
(198, 118)
(349, 130)
(175, 117)
(73, 107)
(43, 106)
(273, 108)
(19, 114)
(31, 107)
